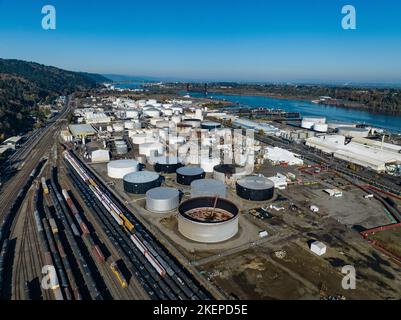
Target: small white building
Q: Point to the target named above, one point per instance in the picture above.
(314, 208)
(263, 234)
(318, 247)
(334, 192)
(100, 155)
(279, 180)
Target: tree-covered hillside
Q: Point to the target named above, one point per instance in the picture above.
(24, 84)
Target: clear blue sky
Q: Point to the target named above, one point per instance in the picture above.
(253, 40)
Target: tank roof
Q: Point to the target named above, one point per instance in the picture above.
(255, 183)
(167, 160)
(124, 163)
(141, 177)
(190, 171)
(162, 193)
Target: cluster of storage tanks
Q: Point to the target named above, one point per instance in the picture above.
(207, 216)
(317, 124)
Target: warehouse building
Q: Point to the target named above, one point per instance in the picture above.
(279, 156)
(365, 155)
(81, 130)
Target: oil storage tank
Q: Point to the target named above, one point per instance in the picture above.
(141, 181)
(117, 169)
(162, 199)
(208, 187)
(185, 175)
(228, 173)
(210, 125)
(255, 188)
(148, 149)
(167, 164)
(208, 219)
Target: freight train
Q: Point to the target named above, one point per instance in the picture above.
(117, 215)
(160, 274)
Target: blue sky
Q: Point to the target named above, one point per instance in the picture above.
(253, 40)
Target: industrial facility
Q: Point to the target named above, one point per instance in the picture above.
(208, 219)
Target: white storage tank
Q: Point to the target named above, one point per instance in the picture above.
(352, 132)
(152, 112)
(153, 121)
(140, 138)
(148, 149)
(117, 169)
(307, 124)
(164, 124)
(320, 120)
(100, 155)
(132, 114)
(208, 187)
(162, 199)
(320, 127)
(118, 127)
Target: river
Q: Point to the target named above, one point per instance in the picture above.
(388, 122)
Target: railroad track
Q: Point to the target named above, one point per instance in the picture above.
(133, 290)
(176, 284)
(29, 261)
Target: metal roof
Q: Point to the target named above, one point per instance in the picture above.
(124, 163)
(190, 171)
(162, 193)
(167, 160)
(256, 183)
(141, 177)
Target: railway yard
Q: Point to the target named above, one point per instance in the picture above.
(73, 230)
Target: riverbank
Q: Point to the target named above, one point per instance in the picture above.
(310, 98)
(306, 108)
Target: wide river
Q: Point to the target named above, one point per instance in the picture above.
(305, 108)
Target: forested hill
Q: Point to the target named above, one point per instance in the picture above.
(24, 84)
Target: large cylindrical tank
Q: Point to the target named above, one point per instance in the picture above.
(167, 164)
(354, 132)
(228, 173)
(162, 199)
(208, 187)
(210, 125)
(132, 114)
(140, 182)
(194, 123)
(152, 112)
(117, 169)
(148, 149)
(307, 124)
(164, 124)
(118, 127)
(255, 188)
(320, 120)
(320, 127)
(208, 219)
(185, 175)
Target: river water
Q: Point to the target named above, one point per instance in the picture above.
(305, 108)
